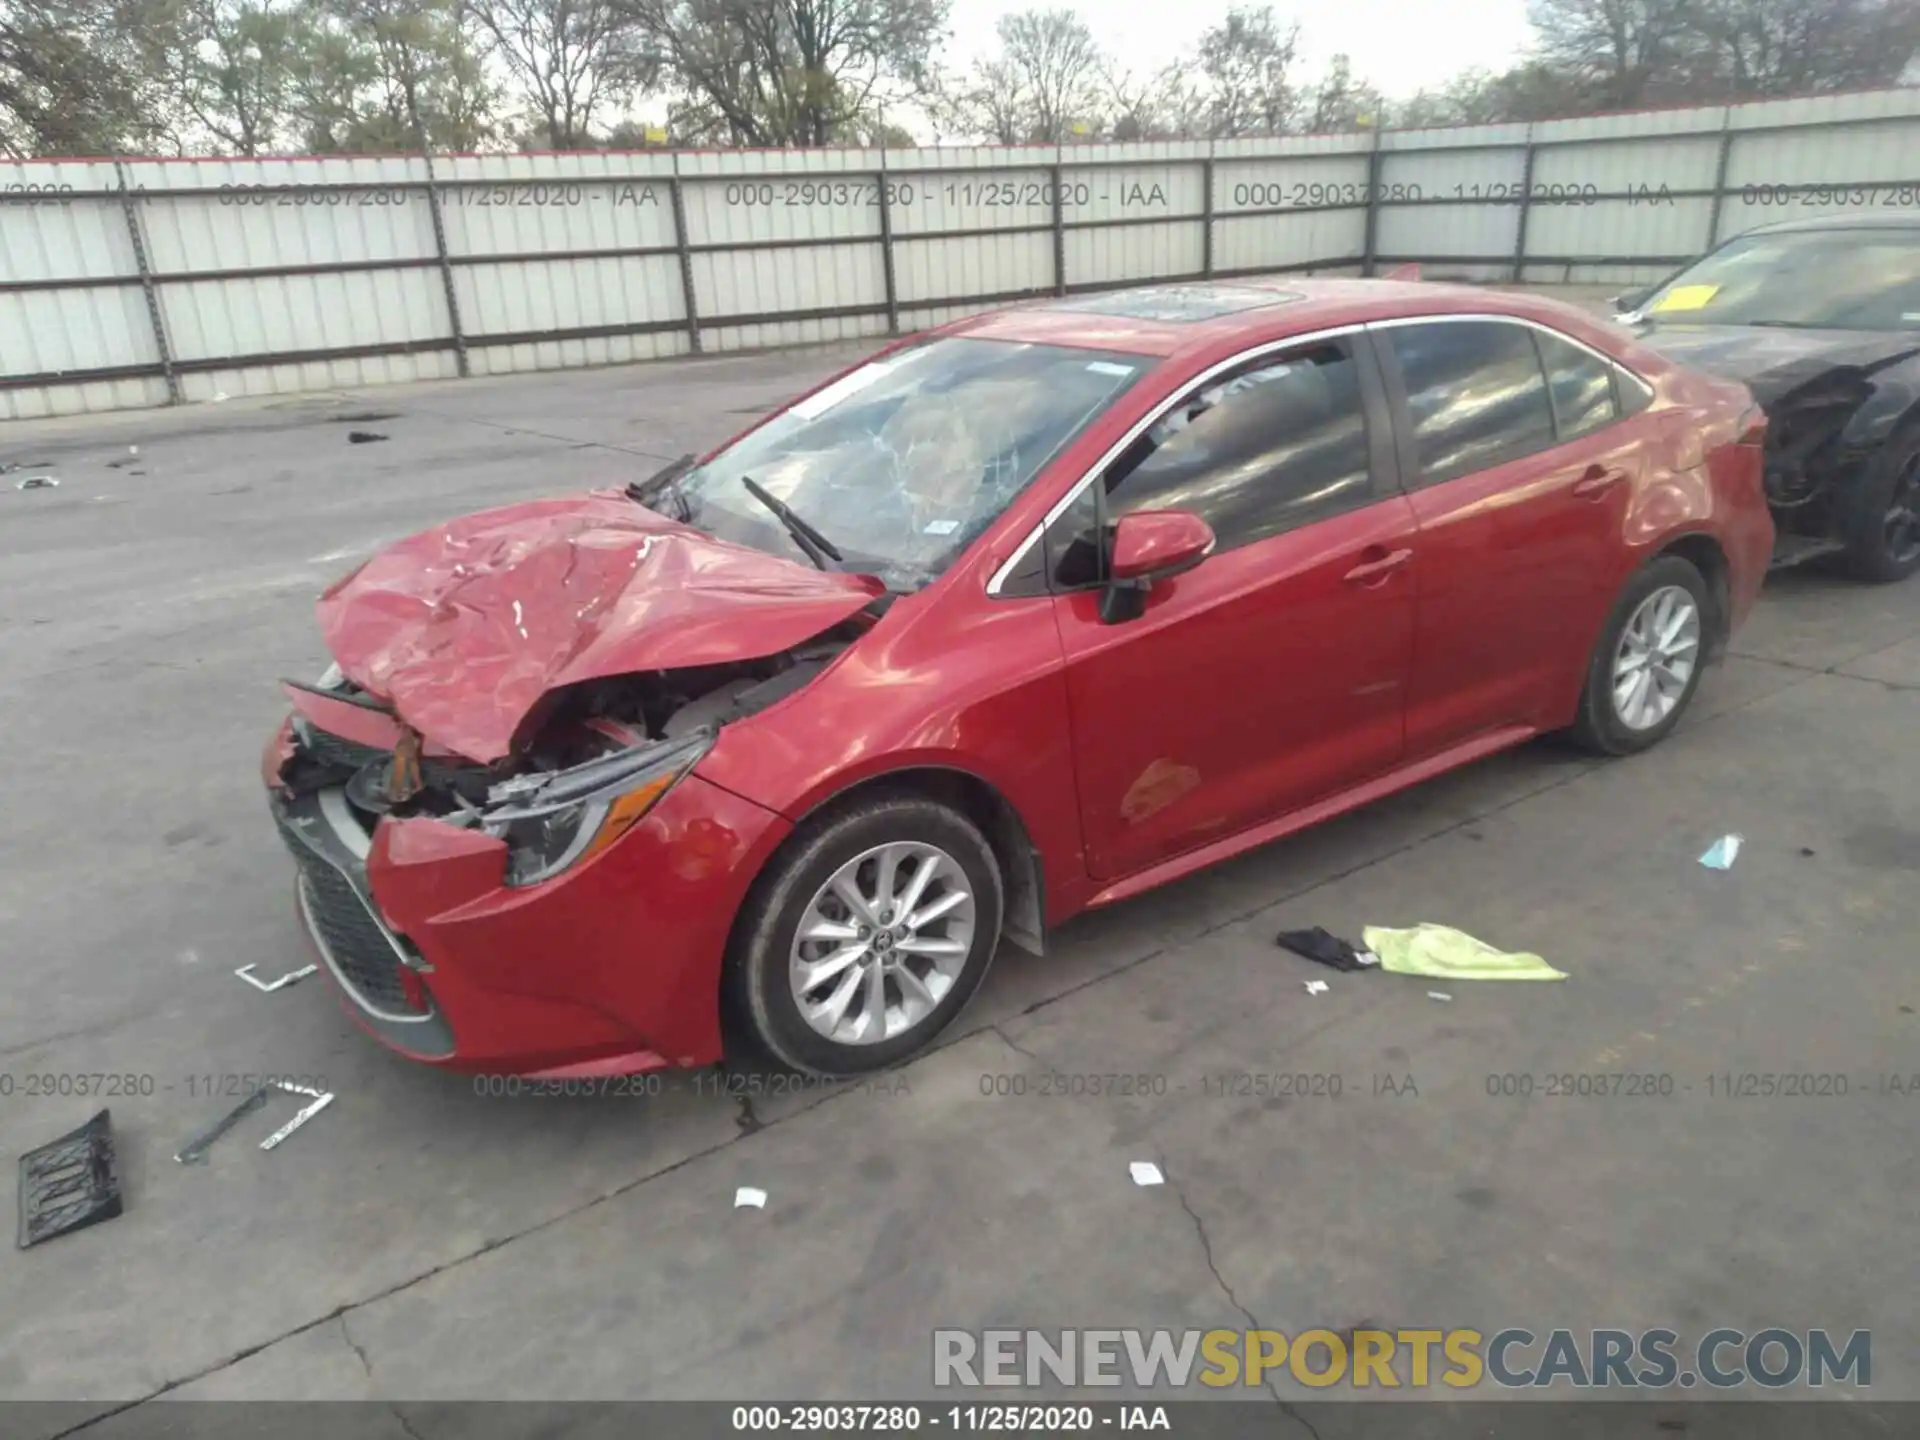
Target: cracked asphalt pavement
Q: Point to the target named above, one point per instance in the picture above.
(421, 1241)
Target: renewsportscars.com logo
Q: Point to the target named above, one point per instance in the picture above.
(1392, 1359)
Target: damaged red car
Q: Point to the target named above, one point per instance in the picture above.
(1020, 617)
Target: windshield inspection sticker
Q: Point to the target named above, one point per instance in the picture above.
(1685, 297)
(1107, 367)
(941, 527)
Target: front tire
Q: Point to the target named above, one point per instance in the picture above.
(1880, 523)
(868, 936)
(1647, 666)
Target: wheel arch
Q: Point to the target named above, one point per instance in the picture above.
(1701, 550)
(1705, 554)
(1023, 917)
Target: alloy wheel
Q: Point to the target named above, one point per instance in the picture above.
(1658, 653)
(882, 942)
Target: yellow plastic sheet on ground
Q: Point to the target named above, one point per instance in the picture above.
(1448, 954)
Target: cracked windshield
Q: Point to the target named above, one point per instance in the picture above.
(899, 464)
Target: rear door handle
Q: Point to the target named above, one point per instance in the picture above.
(1381, 562)
(1597, 481)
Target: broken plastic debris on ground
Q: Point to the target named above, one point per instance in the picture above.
(1145, 1172)
(292, 977)
(69, 1183)
(1721, 854)
(195, 1150)
(746, 1197)
(1443, 953)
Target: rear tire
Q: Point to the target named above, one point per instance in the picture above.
(1880, 522)
(1647, 665)
(901, 898)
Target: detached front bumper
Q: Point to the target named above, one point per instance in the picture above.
(612, 967)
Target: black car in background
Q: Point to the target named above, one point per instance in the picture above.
(1820, 318)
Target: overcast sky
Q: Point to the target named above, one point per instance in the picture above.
(1398, 46)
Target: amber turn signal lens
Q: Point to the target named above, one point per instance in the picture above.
(625, 812)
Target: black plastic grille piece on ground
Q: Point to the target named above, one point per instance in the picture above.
(69, 1184)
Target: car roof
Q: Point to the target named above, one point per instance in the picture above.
(1170, 319)
(1839, 222)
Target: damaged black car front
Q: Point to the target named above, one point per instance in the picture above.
(1820, 319)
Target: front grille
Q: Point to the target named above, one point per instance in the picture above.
(350, 935)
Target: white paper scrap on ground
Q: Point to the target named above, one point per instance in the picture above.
(747, 1195)
(1316, 987)
(1438, 995)
(1721, 854)
(1145, 1172)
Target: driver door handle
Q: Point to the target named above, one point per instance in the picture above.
(1377, 563)
(1597, 481)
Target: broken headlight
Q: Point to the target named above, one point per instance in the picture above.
(551, 822)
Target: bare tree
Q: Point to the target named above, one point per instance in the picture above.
(81, 77)
(788, 72)
(571, 58)
(989, 102)
(1160, 106)
(1341, 103)
(1044, 85)
(1245, 66)
(1531, 91)
(1621, 52)
(1798, 47)
(1058, 65)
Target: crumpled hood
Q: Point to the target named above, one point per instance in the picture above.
(1774, 361)
(464, 627)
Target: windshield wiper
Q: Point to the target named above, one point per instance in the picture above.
(819, 549)
(647, 490)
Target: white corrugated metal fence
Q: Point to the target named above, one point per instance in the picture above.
(145, 282)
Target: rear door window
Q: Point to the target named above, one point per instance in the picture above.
(1579, 383)
(1476, 394)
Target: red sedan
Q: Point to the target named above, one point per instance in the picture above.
(1020, 617)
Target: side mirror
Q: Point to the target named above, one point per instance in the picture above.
(1632, 300)
(1149, 546)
